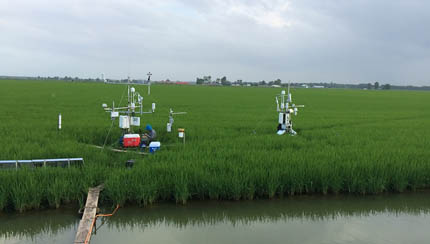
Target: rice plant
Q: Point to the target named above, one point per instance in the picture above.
(348, 142)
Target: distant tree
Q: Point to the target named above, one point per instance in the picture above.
(200, 81)
(362, 86)
(239, 82)
(386, 87)
(207, 79)
(225, 82)
(277, 82)
(369, 86)
(262, 83)
(376, 85)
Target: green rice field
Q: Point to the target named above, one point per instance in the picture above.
(349, 142)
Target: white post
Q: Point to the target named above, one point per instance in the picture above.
(149, 83)
(59, 121)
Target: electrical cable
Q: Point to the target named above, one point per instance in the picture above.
(87, 239)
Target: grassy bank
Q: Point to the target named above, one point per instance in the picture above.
(350, 141)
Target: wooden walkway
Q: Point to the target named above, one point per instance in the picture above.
(89, 214)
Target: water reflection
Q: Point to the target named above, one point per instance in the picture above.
(313, 208)
(303, 219)
(397, 218)
(43, 226)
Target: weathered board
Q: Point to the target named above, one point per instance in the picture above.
(89, 215)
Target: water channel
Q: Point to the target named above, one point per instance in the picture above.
(391, 218)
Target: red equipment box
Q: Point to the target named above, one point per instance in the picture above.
(131, 140)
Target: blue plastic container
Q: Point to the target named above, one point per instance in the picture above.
(154, 146)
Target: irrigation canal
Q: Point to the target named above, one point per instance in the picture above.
(394, 218)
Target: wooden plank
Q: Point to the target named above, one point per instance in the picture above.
(83, 229)
(92, 199)
(89, 215)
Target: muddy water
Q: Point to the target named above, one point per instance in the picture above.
(400, 218)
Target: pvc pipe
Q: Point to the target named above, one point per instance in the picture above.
(59, 121)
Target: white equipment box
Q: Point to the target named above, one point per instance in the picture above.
(124, 122)
(135, 121)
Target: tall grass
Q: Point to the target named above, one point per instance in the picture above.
(350, 141)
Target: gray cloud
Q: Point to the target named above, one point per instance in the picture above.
(309, 41)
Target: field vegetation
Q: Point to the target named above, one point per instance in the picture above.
(349, 141)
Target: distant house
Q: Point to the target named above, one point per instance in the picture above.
(305, 86)
(276, 86)
(318, 87)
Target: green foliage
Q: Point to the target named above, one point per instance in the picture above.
(199, 81)
(386, 87)
(376, 85)
(349, 141)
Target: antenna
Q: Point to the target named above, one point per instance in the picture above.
(149, 83)
(285, 110)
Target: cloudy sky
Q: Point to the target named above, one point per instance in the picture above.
(345, 41)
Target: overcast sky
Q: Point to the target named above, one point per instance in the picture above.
(344, 41)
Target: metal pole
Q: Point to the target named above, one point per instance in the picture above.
(128, 109)
(149, 83)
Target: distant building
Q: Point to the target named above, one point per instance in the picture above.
(318, 87)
